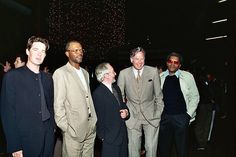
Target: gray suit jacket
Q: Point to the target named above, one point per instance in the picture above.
(71, 102)
(149, 102)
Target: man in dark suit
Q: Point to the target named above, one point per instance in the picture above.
(27, 105)
(111, 113)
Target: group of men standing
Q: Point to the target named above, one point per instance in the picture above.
(34, 102)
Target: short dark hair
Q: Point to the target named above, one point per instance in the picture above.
(71, 41)
(176, 55)
(33, 39)
(23, 57)
(134, 51)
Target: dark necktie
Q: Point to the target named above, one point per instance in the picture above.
(44, 109)
(115, 94)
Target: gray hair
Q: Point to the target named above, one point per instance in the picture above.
(137, 50)
(101, 70)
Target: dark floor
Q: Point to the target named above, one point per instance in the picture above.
(223, 141)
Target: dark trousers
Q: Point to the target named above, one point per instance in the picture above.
(203, 123)
(47, 149)
(109, 150)
(173, 130)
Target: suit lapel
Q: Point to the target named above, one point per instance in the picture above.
(76, 77)
(134, 83)
(143, 81)
(86, 77)
(110, 94)
(132, 80)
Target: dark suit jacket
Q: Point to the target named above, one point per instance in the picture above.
(111, 127)
(21, 110)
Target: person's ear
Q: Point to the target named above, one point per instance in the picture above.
(131, 60)
(27, 52)
(67, 53)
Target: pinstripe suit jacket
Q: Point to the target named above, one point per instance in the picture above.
(148, 102)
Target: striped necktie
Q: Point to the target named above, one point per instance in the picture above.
(138, 76)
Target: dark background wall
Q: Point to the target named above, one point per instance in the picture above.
(19, 20)
(109, 29)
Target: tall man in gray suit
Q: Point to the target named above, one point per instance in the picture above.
(140, 87)
(74, 110)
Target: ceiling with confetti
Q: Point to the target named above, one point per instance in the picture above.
(106, 26)
(100, 25)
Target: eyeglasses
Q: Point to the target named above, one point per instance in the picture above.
(77, 50)
(173, 62)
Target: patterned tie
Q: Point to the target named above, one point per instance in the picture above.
(138, 76)
(138, 79)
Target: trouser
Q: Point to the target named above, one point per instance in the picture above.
(203, 123)
(71, 147)
(135, 138)
(173, 130)
(43, 146)
(110, 150)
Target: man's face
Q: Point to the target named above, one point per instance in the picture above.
(111, 74)
(75, 53)
(18, 63)
(138, 60)
(36, 53)
(173, 64)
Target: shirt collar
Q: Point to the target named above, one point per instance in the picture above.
(136, 71)
(177, 73)
(109, 86)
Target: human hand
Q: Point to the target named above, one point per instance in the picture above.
(18, 154)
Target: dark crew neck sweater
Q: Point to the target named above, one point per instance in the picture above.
(173, 97)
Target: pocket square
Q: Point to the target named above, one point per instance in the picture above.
(150, 80)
